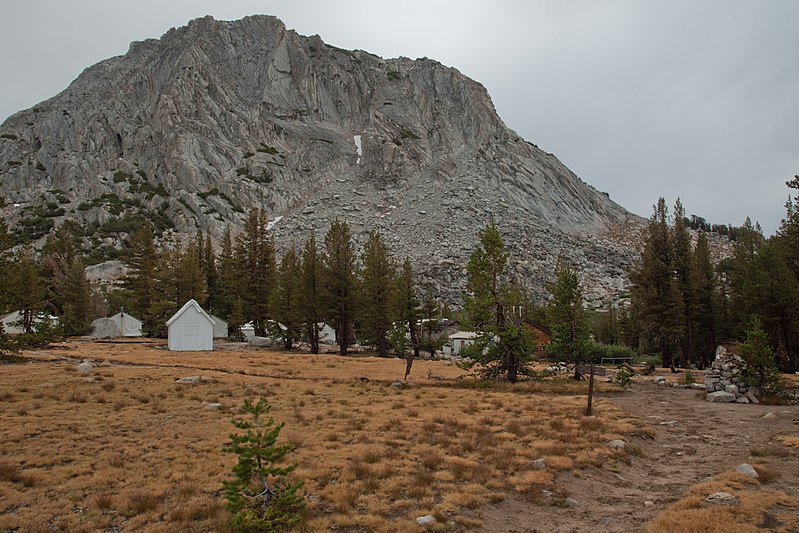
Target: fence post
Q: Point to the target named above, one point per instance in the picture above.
(590, 391)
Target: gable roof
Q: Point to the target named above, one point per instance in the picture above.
(464, 335)
(190, 303)
(520, 321)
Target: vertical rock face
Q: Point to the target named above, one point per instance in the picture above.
(217, 117)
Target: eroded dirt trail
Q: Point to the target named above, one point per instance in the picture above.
(694, 439)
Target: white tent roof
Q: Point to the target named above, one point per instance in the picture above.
(464, 335)
(190, 303)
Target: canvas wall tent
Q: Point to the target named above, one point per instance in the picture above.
(119, 325)
(461, 340)
(327, 335)
(191, 329)
(220, 328)
(12, 323)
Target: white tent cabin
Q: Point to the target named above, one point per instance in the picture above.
(119, 325)
(220, 328)
(327, 335)
(12, 323)
(191, 329)
(461, 340)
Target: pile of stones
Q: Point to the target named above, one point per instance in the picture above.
(725, 380)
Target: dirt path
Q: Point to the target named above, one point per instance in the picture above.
(694, 439)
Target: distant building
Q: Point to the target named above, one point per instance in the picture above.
(327, 334)
(248, 330)
(541, 335)
(119, 325)
(12, 323)
(220, 328)
(191, 329)
(461, 340)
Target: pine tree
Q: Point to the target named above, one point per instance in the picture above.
(655, 292)
(205, 251)
(259, 496)
(685, 281)
(746, 277)
(228, 281)
(255, 257)
(311, 292)
(286, 302)
(569, 340)
(777, 297)
(339, 281)
(760, 366)
(28, 293)
(375, 294)
(188, 275)
(503, 349)
(704, 308)
(483, 300)
(430, 311)
(5, 268)
(407, 311)
(75, 291)
(141, 282)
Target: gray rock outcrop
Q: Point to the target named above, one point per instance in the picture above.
(195, 128)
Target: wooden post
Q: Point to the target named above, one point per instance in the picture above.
(590, 391)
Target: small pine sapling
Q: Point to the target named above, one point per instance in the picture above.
(260, 497)
(760, 365)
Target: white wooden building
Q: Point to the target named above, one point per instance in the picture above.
(191, 329)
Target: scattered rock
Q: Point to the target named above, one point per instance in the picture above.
(747, 470)
(649, 503)
(617, 444)
(540, 464)
(720, 397)
(570, 502)
(426, 519)
(742, 399)
(751, 397)
(698, 386)
(720, 498)
(214, 406)
(85, 367)
(261, 342)
(768, 416)
(193, 379)
(660, 380)
(104, 363)
(546, 493)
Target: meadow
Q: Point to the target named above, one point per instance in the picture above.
(129, 448)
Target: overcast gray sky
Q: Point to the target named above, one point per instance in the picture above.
(697, 99)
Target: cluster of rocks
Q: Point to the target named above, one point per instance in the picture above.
(87, 366)
(725, 381)
(660, 380)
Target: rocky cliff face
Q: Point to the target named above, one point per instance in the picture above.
(217, 117)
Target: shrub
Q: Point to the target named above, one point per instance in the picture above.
(760, 365)
(259, 496)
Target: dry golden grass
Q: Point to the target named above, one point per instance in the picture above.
(790, 440)
(758, 509)
(137, 451)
